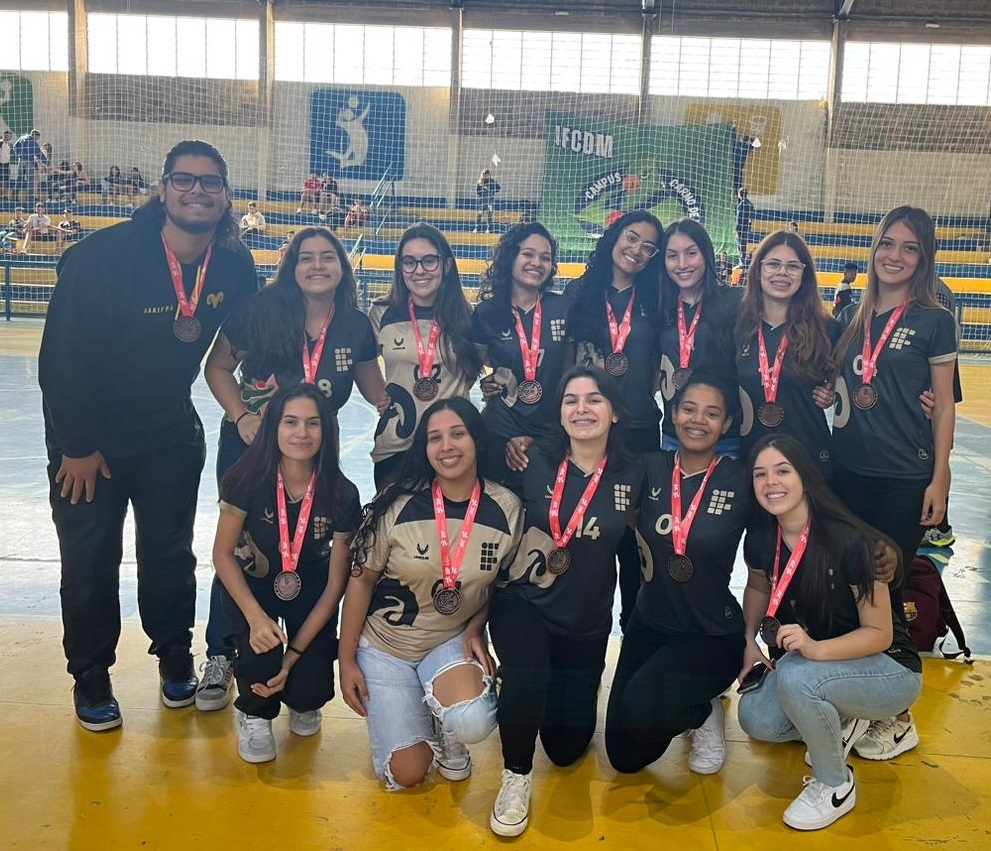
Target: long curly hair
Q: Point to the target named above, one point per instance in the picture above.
(497, 279)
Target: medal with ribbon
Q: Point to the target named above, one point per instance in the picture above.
(770, 413)
(311, 363)
(559, 559)
(617, 363)
(865, 396)
(447, 598)
(769, 624)
(529, 391)
(680, 566)
(186, 326)
(425, 388)
(686, 342)
(287, 583)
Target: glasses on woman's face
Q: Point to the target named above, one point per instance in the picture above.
(429, 262)
(183, 181)
(792, 268)
(633, 239)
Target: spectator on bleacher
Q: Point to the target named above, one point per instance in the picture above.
(113, 185)
(44, 178)
(310, 194)
(792, 226)
(423, 329)
(358, 215)
(70, 228)
(844, 292)
(30, 156)
(285, 244)
(330, 196)
(6, 154)
(136, 184)
(892, 464)
(724, 269)
(60, 182)
(19, 223)
(253, 222)
(39, 229)
(486, 189)
(744, 219)
(78, 181)
(134, 310)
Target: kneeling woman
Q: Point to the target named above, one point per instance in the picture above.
(684, 643)
(414, 655)
(551, 623)
(840, 657)
(298, 568)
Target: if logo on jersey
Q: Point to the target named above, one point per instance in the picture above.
(506, 334)
(901, 338)
(655, 494)
(268, 516)
(720, 502)
(558, 329)
(398, 344)
(343, 360)
(422, 552)
(215, 299)
(550, 492)
(490, 555)
(621, 496)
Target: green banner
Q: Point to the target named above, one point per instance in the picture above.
(16, 104)
(598, 170)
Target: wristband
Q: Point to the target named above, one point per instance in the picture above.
(294, 650)
(241, 418)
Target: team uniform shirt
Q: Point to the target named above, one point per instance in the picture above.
(113, 374)
(704, 604)
(507, 416)
(637, 385)
(397, 345)
(894, 438)
(710, 353)
(759, 549)
(402, 619)
(804, 419)
(576, 603)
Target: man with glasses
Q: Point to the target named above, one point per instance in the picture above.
(133, 312)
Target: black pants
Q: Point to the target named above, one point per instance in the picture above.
(495, 468)
(550, 685)
(385, 471)
(664, 685)
(161, 488)
(639, 441)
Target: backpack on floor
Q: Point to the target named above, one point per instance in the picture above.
(929, 611)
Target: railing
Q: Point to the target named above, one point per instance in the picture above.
(383, 199)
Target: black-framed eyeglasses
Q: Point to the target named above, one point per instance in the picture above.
(183, 181)
(792, 268)
(429, 262)
(634, 239)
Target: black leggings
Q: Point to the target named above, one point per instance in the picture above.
(664, 685)
(550, 685)
(639, 441)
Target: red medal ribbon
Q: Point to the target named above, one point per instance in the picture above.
(531, 349)
(311, 363)
(187, 306)
(619, 333)
(870, 356)
(426, 358)
(778, 588)
(681, 525)
(554, 515)
(451, 564)
(290, 554)
(686, 338)
(770, 376)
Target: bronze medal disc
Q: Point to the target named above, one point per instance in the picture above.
(771, 415)
(425, 389)
(769, 631)
(287, 585)
(356, 569)
(187, 329)
(680, 568)
(559, 560)
(447, 600)
(617, 364)
(865, 397)
(529, 392)
(681, 375)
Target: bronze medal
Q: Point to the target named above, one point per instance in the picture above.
(771, 415)
(680, 568)
(617, 364)
(529, 392)
(425, 389)
(356, 569)
(287, 585)
(681, 375)
(559, 560)
(447, 600)
(865, 397)
(769, 631)
(187, 329)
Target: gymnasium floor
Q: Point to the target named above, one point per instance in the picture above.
(172, 779)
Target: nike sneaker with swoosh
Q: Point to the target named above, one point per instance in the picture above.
(888, 738)
(819, 805)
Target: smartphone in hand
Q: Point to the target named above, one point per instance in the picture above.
(754, 678)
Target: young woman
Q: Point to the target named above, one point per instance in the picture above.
(304, 327)
(486, 188)
(840, 656)
(297, 572)
(684, 643)
(784, 348)
(613, 323)
(423, 327)
(414, 658)
(892, 462)
(521, 332)
(113, 184)
(696, 320)
(551, 618)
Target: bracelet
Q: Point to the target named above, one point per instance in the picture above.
(294, 650)
(241, 418)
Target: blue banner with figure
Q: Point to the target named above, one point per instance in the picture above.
(357, 134)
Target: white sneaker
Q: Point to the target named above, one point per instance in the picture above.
(510, 813)
(216, 683)
(709, 742)
(305, 723)
(851, 733)
(888, 738)
(255, 742)
(454, 762)
(820, 805)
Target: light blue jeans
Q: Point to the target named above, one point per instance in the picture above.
(809, 701)
(402, 708)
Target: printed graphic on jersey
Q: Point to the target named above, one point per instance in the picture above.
(900, 338)
(422, 552)
(321, 526)
(558, 329)
(490, 555)
(621, 497)
(398, 601)
(343, 359)
(720, 502)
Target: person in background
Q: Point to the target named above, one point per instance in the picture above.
(310, 193)
(6, 155)
(844, 292)
(285, 244)
(792, 226)
(136, 184)
(70, 229)
(39, 229)
(253, 221)
(744, 219)
(486, 190)
(30, 157)
(358, 214)
(113, 185)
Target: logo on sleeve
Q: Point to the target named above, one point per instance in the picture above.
(720, 502)
(621, 497)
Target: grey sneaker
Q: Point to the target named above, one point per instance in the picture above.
(454, 762)
(216, 684)
(255, 742)
(305, 723)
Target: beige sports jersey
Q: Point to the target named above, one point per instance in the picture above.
(402, 619)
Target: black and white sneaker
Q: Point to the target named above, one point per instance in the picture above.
(820, 805)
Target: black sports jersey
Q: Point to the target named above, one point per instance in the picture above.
(402, 619)
(638, 383)
(507, 416)
(349, 342)
(804, 420)
(894, 438)
(759, 549)
(704, 604)
(578, 602)
(397, 345)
